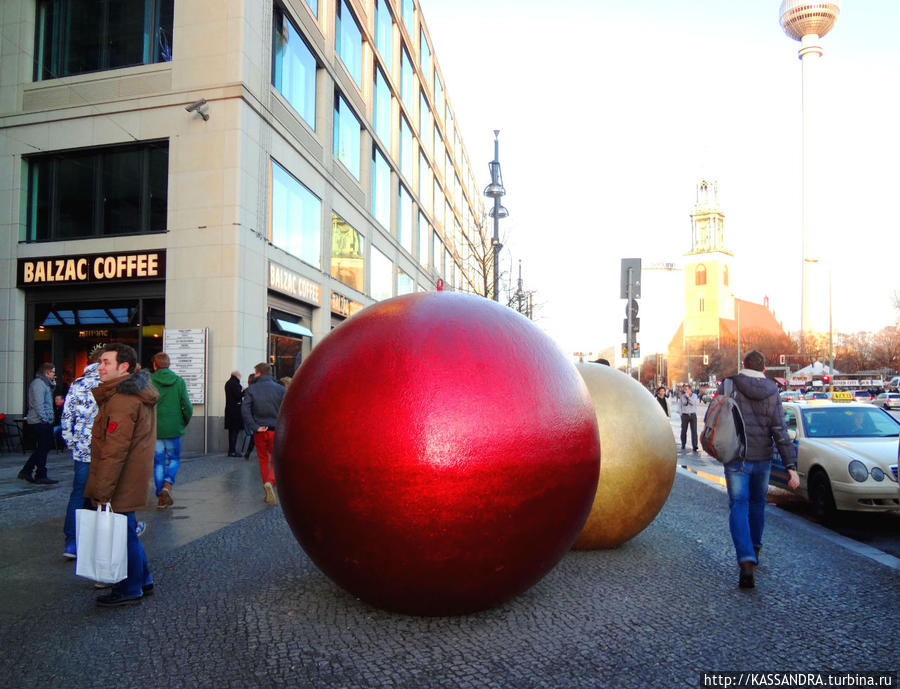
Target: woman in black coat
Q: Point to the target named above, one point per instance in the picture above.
(234, 424)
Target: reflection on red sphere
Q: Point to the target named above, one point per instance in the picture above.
(436, 454)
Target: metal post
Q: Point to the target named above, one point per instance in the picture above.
(830, 328)
(495, 170)
(628, 334)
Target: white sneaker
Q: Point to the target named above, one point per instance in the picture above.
(270, 493)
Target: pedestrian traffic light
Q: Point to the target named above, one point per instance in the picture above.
(781, 359)
(706, 359)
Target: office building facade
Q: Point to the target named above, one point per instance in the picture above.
(232, 179)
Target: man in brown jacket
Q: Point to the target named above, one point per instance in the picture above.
(123, 439)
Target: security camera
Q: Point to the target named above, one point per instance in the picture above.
(200, 107)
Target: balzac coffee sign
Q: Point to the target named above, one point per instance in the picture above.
(92, 268)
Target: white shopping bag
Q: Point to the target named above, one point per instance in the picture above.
(101, 541)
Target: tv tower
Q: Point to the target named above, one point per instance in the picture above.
(807, 21)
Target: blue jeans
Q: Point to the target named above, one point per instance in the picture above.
(138, 570)
(76, 500)
(747, 483)
(166, 460)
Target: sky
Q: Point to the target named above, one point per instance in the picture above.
(610, 112)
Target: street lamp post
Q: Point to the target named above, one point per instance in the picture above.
(495, 191)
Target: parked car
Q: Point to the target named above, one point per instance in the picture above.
(862, 395)
(887, 400)
(846, 457)
(819, 395)
(790, 395)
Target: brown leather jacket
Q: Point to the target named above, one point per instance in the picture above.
(122, 442)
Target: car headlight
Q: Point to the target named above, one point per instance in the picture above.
(858, 471)
(877, 474)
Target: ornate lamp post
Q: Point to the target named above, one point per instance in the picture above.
(495, 190)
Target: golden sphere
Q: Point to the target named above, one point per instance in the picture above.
(637, 458)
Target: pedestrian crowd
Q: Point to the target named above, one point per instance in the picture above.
(123, 426)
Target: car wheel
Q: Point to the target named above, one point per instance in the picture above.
(821, 497)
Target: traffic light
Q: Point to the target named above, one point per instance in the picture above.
(826, 380)
(706, 359)
(781, 359)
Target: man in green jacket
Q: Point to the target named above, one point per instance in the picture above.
(173, 411)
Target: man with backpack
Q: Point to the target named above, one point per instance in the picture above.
(747, 480)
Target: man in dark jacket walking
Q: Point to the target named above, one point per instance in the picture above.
(173, 412)
(122, 440)
(748, 480)
(40, 419)
(260, 406)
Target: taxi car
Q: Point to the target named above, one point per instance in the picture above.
(846, 456)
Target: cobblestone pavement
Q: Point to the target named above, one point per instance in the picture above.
(238, 604)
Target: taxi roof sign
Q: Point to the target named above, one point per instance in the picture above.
(842, 396)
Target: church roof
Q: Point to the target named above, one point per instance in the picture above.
(753, 317)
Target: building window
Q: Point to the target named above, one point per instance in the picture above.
(424, 231)
(98, 192)
(425, 123)
(424, 56)
(448, 266)
(382, 276)
(425, 178)
(406, 149)
(381, 189)
(437, 213)
(437, 253)
(293, 67)
(348, 41)
(381, 109)
(405, 220)
(296, 219)
(407, 89)
(405, 284)
(725, 275)
(700, 275)
(347, 254)
(409, 17)
(384, 34)
(702, 305)
(313, 6)
(346, 135)
(438, 95)
(75, 36)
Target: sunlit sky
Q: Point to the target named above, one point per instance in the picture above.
(609, 112)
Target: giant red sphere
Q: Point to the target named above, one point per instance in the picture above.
(436, 454)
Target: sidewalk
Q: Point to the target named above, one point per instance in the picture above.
(238, 604)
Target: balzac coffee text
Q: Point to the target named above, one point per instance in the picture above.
(142, 265)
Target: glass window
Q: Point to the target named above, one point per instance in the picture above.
(700, 275)
(438, 95)
(296, 217)
(406, 149)
(437, 253)
(314, 6)
(381, 189)
(347, 254)
(409, 17)
(424, 182)
(424, 231)
(448, 266)
(438, 207)
(424, 56)
(384, 34)
(407, 88)
(348, 41)
(381, 109)
(346, 135)
(405, 220)
(294, 68)
(77, 36)
(438, 150)
(405, 284)
(115, 190)
(382, 276)
(425, 123)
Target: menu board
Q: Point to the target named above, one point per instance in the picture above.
(186, 348)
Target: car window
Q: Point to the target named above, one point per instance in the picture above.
(790, 419)
(843, 422)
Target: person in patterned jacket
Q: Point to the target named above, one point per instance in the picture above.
(78, 414)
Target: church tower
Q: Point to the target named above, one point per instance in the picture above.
(708, 294)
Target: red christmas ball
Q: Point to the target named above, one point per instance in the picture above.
(436, 454)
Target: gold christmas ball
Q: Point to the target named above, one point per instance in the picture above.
(637, 458)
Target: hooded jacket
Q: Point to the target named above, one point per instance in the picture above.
(122, 442)
(174, 409)
(78, 414)
(40, 400)
(760, 405)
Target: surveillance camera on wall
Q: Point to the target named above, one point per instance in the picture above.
(200, 107)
